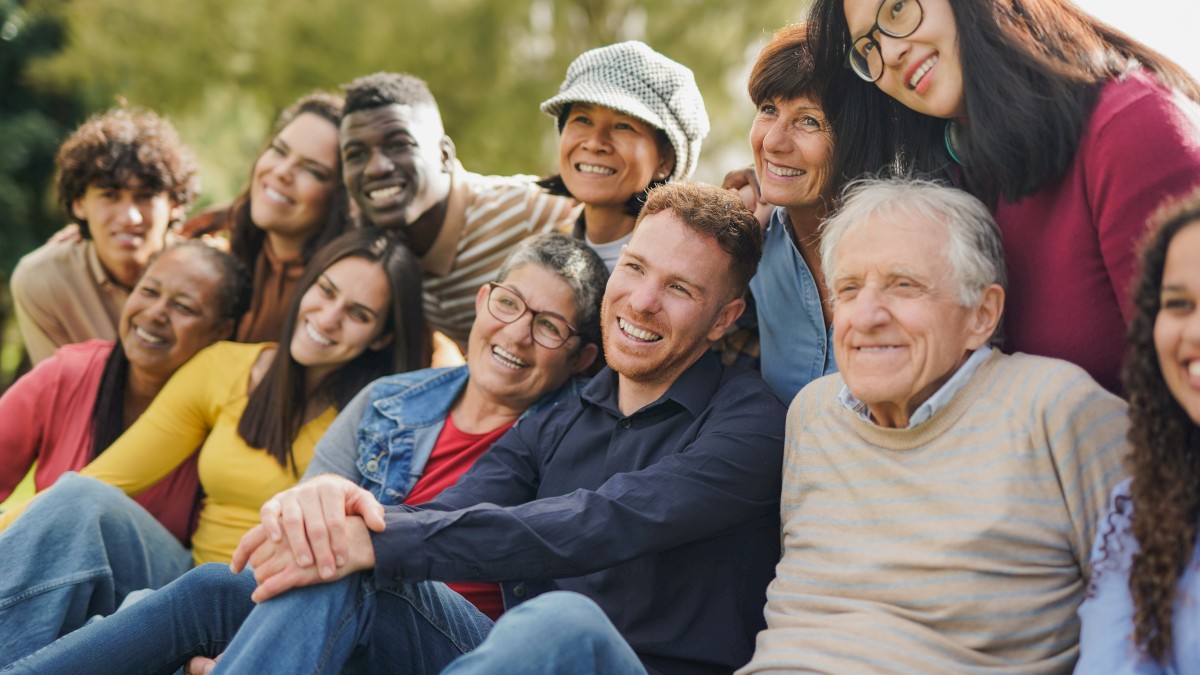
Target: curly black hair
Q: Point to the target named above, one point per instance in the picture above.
(1166, 449)
(117, 147)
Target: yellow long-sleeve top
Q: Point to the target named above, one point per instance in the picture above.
(203, 403)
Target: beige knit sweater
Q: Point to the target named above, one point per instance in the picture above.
(959, 546)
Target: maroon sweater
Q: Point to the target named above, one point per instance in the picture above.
(1072, 248)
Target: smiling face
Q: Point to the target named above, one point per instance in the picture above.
(172, 313)
(605, 157)
(792, 147)
(396, 161)
(666, 301)
(922, 71)
(507, 366)
(1177, 326)
(294, 180)
(899, 332)
(341, 316)
(128, 225)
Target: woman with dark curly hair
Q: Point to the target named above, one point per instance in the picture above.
(1141, 613)
(1070, 131)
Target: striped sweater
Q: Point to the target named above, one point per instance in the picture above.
(485, 218)
(961, 545)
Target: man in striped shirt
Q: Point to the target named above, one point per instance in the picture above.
(401, 170)
(939, 498)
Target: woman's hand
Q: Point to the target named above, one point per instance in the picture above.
(311, 519)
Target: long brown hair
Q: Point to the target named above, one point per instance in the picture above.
(1032, 70)
(275, 411)
(245, 238)
(1165, 460)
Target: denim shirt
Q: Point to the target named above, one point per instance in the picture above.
(383, 438)
(796, 345)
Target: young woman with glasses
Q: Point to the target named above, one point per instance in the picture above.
(1070, 130)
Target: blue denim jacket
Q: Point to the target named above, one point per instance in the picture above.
(796, 345)
(401, 422)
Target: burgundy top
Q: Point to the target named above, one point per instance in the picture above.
(47, 418)
(1072, 248)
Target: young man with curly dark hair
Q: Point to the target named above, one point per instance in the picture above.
(122, 177)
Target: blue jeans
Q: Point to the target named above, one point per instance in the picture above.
(76, 552)
(412, 628)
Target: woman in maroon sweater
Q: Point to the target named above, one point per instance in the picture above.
(1071, 131)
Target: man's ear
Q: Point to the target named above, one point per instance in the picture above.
(177, 214)
(725, 318)
(449, 154)
(585, 358)
(78, 211)
(987, 317)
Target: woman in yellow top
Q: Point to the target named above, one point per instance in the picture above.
(256, 411)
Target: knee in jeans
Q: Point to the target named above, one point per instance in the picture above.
(216, 579)
(568, 609)
(74, 490)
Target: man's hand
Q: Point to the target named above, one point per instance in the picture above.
(276, 569)
(744, 182)
(200, 665)
(312, 518)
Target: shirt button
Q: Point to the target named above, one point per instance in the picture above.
(518, 591)
(373, 465)
(626, 423)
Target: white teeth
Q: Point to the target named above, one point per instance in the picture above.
(275, 196)
(508, 359)
(315, 336)
(875, 349)
(784, 171)
(147, 337)
(384, 193)
(920, 72)
(127, 237)
(631, 330)
(594, 168)
(1193, 368)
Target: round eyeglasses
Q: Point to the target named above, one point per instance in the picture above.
(548, 330)
(895, 18)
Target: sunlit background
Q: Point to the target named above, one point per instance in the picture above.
(1169, 26)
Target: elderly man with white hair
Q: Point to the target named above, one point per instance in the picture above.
(940, 498)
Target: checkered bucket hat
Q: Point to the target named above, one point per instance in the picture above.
(632, 78)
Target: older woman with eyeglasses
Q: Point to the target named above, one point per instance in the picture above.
(1069, 130)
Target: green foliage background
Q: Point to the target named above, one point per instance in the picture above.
(222, 69)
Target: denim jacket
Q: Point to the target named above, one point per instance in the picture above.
(403, 418)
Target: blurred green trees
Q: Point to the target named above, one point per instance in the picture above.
(221, 69)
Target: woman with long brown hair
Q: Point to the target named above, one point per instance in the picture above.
(1141, 613)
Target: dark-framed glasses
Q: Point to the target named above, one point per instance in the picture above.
(547, 329)
(895, 18)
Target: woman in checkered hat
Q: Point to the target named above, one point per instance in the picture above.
(629, 119)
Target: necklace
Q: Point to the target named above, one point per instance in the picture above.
(949, 135)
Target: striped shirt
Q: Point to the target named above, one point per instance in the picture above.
(486, 217)
(961, 545)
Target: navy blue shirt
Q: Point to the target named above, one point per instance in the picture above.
(668, 518)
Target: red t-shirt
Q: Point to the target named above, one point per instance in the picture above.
(453, 453)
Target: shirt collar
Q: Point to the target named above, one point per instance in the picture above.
(95, 267)
(693, 389)
(940, 398)
(439, 259)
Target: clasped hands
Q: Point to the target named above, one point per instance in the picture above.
(315, 532)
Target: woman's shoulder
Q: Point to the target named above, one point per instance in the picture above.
(1135, 95)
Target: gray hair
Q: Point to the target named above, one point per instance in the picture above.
(575, 263)
(973, 245)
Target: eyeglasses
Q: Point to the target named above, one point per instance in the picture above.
(548, 330)
(895, 18)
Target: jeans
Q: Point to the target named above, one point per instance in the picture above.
(76, 552)
(559, 633)
(411, 628)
